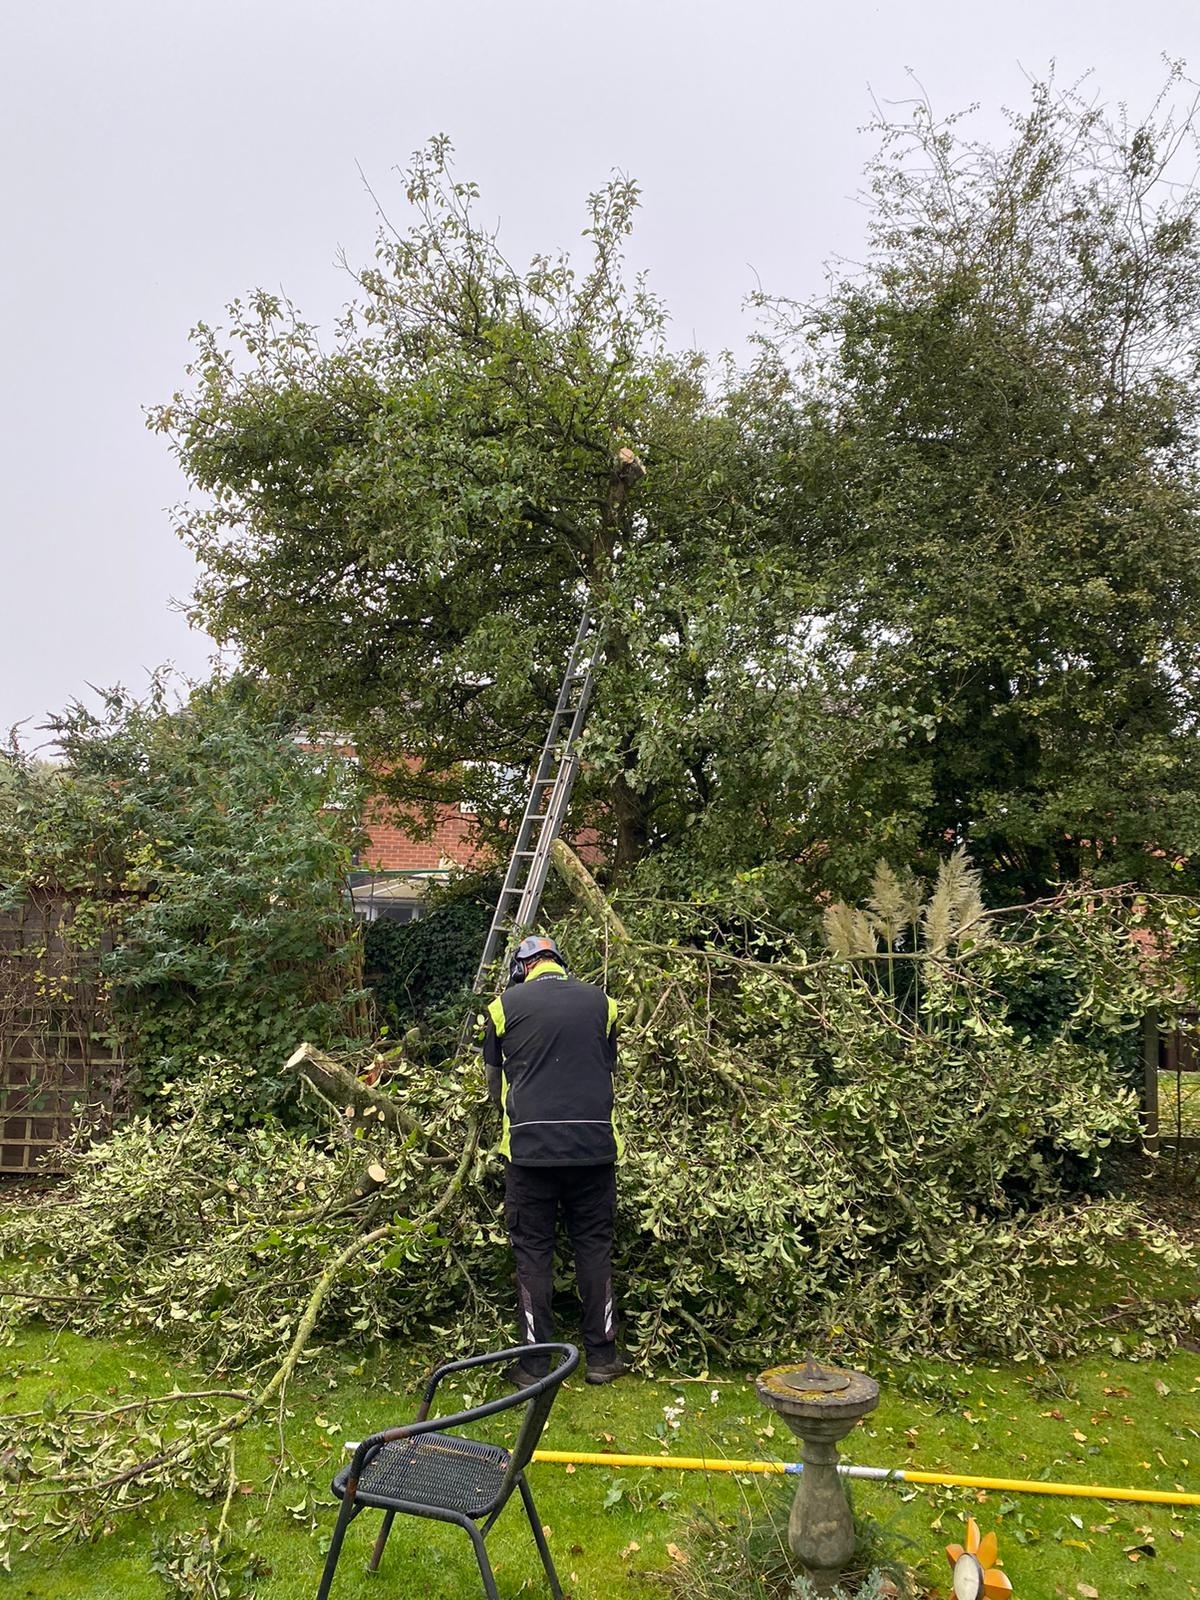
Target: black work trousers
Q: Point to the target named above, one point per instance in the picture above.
(587, 1197)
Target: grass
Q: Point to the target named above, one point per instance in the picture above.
(614, 1529)
(1179, 1103)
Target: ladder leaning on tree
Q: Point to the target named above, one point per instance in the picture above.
(521, 894)
(549, 797)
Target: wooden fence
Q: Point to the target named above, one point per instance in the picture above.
(59, 1069)
(1171, 1102)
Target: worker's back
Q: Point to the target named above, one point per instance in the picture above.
(556, 1039)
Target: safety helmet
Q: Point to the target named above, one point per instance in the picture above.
(529, 952)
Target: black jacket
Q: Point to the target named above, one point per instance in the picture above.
(551, 1050)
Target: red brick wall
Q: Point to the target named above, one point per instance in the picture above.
(454, 842)
(390, 849)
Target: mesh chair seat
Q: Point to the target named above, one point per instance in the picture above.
(435, 1469)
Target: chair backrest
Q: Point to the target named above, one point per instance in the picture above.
(541, 1398)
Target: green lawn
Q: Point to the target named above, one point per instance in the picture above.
(1104, 1422)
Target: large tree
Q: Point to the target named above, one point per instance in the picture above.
(402, 530)
(999, 485)
(936, 581)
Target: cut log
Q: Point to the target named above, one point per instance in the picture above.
(628, 467)
(371, 1179)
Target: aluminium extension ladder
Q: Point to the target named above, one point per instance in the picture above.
(549, 796)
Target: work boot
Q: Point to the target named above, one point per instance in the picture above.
(520, 1377)
(606, 1371)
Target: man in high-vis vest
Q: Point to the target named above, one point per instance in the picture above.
(550, 1049)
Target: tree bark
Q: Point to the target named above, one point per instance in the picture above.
(631, 813)
(630, 807)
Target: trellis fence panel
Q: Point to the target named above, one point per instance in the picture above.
(59, 1069)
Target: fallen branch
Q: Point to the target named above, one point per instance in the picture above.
(722, 1348)
(171, 1398)
(586, 890)
(358, 1101)
(183, 1449)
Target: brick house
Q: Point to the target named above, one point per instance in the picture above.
(393, 870)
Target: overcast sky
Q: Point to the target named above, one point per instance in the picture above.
(159, 157)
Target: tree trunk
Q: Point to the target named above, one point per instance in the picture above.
(631, 814)
(630, 807)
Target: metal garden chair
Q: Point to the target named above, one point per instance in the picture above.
(428, 1468)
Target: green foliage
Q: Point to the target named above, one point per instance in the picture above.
(415, 969)
(819, 1151)
(934, 581)
(448, 476)
(839, 1150)
(189, 1224)
(999, 492)
(196, 1566)
(199, 844)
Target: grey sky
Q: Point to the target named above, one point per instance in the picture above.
(159, 157)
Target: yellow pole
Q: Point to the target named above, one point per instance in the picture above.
(1080, 1491)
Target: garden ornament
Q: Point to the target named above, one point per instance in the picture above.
(975, 1573)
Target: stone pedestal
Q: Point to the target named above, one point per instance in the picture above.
(820, 1405)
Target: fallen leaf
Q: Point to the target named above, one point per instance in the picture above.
(570, 1468)
(1086, 1590)
(1161, 1388)
(676, 1554)
(630, 1549)
(1080, 1437)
